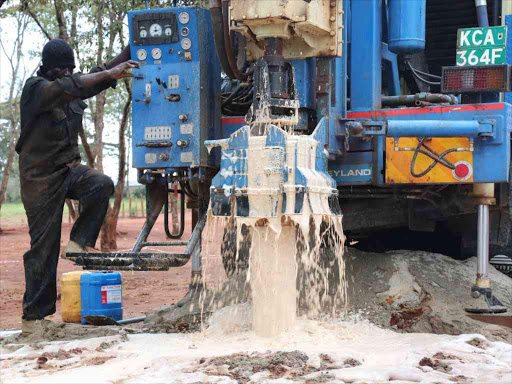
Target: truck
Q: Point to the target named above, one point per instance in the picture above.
(406, 101)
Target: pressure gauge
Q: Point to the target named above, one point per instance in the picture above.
(142, 54)
(184, 17)
(156, 53)
(155, 30)
(143, 33)
(186, 43)
(184, 31)
(168, 30)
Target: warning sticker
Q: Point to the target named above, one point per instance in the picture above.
(111, 294)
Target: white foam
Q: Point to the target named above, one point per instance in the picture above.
(154, 358)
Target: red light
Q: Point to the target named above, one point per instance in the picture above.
(462, 171)
(475, 79)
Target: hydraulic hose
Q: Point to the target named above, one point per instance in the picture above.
(227, 43)
(481, 13)
(218, 36)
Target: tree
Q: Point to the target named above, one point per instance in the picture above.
(18, 73)
(109, 232)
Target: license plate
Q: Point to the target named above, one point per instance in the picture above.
(481, 46)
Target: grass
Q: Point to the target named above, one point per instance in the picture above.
(15, 210)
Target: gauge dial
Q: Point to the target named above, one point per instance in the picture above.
(156, 53)
(184, 17)
(184, 31)
(186, 43)
(143, 33)
(155, 30)
(142, 54)
(168, 30)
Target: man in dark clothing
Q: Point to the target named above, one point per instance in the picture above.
(52, 110)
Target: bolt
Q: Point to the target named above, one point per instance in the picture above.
(333, 33)
(333, 18)
(244, 17)
(332, 47)
(333, 4)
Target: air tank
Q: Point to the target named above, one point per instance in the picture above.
(406, 25)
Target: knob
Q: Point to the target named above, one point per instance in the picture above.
(183, 117)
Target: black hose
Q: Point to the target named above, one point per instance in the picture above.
(218, 36)
(182, 217)
(186, 187)
(227, 43)
(417, 76)
(438, 158)
(232, 96)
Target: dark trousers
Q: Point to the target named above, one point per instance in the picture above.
(93, 190)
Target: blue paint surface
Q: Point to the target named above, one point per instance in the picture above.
(407, 25)
(199, 87)
(96, 290)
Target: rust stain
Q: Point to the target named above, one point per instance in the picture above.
(505, 321)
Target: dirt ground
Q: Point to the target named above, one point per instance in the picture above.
(142, 291)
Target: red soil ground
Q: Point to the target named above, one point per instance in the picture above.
(142, 291)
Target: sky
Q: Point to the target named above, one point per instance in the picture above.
(34, 41)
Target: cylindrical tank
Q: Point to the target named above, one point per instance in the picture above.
(70, 297)
(406, 25)
(102, 295)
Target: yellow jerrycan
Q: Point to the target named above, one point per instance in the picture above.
(70, 296)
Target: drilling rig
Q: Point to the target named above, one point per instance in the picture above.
(393, 113)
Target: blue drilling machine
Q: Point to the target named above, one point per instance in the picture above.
(403, 104)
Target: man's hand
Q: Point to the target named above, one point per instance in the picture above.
(121, 71)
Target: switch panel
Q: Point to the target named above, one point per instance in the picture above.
(175, 91)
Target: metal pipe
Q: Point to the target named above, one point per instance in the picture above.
(417, 99)
(131, 321)
(481, 13)
(182, 217)
(434, 128)
(482, 273)
(195, 239)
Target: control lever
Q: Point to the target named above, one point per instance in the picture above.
(173, 97)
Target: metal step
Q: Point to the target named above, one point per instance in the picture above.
(130, 261)
(138, 261)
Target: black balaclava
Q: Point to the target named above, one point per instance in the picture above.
(57, 53)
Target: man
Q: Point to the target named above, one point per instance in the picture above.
(52, 109)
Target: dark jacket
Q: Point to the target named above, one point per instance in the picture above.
(51, 117)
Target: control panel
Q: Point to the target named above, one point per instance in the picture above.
(175, 91)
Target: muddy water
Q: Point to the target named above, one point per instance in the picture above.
(295, 266)
(295, 260)
(273, 274)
